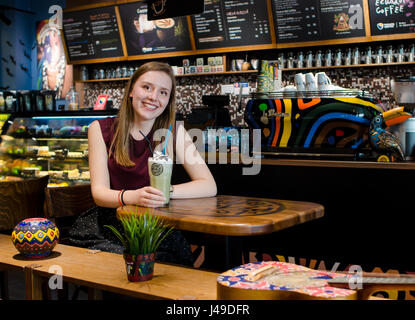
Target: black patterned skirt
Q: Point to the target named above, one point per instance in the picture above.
(88, 231)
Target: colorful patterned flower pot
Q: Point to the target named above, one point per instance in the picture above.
(139, 268)
(35, 238)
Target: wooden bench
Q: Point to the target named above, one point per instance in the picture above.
(106, 271)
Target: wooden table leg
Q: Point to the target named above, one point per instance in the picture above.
(33, 284)
(4, 286)
(94, 294)
(222, 253)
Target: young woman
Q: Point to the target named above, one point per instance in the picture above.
(118, 154)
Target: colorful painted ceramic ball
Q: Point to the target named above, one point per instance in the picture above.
(35, 238)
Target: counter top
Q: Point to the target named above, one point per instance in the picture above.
(220, 157)
(407, 165)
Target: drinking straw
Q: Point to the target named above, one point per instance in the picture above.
(167, 138)
(149, 143)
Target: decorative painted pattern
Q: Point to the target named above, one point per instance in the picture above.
(291, 277)
(35, 238)
(340, 124)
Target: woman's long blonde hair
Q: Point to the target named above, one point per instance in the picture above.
(120, 144)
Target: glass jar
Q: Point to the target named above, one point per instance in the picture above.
(72, 99)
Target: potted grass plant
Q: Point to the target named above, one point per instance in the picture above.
(143, 234)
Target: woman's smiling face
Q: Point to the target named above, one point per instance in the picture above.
(151, 94)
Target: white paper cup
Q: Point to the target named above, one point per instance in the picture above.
(310, 82)
(299, 80)
(323, 81)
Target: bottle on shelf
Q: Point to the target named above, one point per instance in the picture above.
(72, 100)
(118, 73)
(84, 73)
(329, 58)
(281, 60)
(309, 59)
(411, 53)
(338, 57)
(401, 54)
(348, 57)
(368, 58)
(356, 56)
(290, 61)
(300, 60)
(379, 55)
(319, 58)
(389, 54)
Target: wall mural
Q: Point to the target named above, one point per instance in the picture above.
(53, 73)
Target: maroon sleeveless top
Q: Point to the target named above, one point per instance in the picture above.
(128, 178)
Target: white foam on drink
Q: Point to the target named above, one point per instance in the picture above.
(160, 157)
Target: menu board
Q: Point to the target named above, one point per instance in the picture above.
(231, 23)
(314, 20)
(92, 34)
(391, 17)
(143, 36)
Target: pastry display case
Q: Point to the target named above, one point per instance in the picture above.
(54, 144)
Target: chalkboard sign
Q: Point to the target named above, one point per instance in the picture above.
(143, 36)
(92, 34)
(316, 20)
(231, 24)
(161, 9)
(392, 17)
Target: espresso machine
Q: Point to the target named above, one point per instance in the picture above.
(403, 89)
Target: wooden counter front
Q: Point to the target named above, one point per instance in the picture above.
(233, 215)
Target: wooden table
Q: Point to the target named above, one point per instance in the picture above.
(106, 271)
(231, 217)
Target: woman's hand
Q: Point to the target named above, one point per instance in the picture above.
(145, 197)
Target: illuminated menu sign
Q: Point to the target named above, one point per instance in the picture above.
(231, 23)
(143, 36)
(92, 34)
(392, 17)
(313, 20)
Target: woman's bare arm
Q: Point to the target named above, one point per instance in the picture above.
(203, 184)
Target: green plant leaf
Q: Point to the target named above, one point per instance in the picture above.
(142, 233)
(118, 235)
